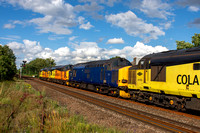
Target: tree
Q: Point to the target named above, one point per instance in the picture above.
(184, 45)
(196, 40)
(115, 57)
(7, 63)
(34, 66)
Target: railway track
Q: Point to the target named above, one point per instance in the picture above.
(157, 121)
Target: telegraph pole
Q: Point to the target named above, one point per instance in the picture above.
(21, 66)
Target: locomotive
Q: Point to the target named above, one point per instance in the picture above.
(169, 78)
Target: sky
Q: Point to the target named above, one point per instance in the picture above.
(74, 31)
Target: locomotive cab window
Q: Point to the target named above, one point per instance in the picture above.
(196, 66)
(144, 64)
(141, 64)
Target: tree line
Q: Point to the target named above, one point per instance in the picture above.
(184, 45)
(34, 66)
(8, 67)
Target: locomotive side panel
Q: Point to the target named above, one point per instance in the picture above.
(184, 79)
(52, 75)
(58, 74)
(181, 80)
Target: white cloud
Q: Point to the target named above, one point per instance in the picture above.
(46, 7)
(9, 26)
(91, 9)
(10, 37)
(106, 2)
(32, 47)
(18, 22)
(100, 39)
(83, 25)
(86, 26)
(83, 52)
(115, 41)
(72, 38)
(155, 9)
(135, 26)
(138, 50)
(193, 8)
(46, 53)
(63, 51)
(55, 37)
(166, 25)
(48, 24)
(86, 51)
(58, 15)
(188, 3)
(16, 47)
(13, 24)
(152, 8)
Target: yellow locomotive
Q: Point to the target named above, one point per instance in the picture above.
(43, 74)
(168, 78)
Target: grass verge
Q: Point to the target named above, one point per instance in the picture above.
(23, 109)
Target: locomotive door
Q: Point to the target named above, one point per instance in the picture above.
(103, 73)
(106, 74)
(140, 74)
(143, 72)
(146, 71)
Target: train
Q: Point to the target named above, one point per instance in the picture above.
(169, 79)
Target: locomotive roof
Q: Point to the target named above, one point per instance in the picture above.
(45, 69)
(175, 57)
(59, 67)
(98, 62)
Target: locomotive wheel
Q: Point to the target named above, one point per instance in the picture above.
(97, 89)
(180, 107)
(151, 99)
(134, 97)
(171, 103)
(112, 93)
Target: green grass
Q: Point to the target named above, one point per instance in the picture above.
(22, 109)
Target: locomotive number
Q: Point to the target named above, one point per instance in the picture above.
(187, 79)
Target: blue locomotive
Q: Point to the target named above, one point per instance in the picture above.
(101, 76)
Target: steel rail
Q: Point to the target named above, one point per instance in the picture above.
(167, 124)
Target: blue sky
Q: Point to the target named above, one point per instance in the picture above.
(72, 31)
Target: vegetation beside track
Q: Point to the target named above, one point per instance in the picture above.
(23, 109)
